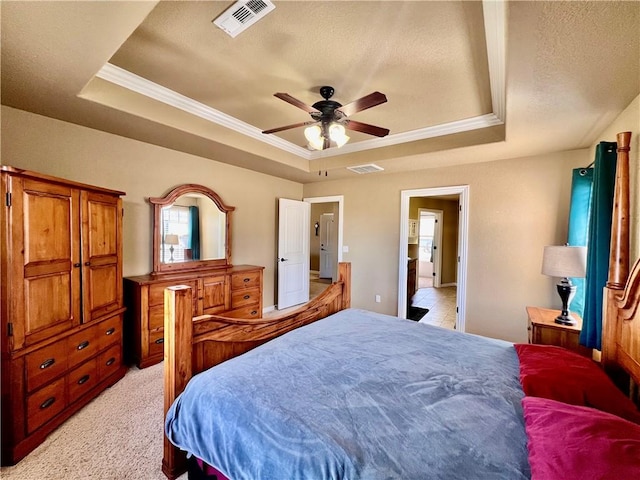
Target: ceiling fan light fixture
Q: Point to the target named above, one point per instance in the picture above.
(338, 135)
(313, 134)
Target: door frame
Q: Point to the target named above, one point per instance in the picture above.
(463, 226)
(339, 199)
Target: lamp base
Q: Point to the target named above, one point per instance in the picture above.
(566, 320)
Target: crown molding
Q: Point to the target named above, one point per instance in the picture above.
(131, 81)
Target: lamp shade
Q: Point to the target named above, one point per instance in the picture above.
(171, 239)
(564, 261)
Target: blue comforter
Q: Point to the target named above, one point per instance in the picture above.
(359, 395)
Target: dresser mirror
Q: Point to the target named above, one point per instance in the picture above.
(191, 230)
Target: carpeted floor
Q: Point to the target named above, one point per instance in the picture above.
(416, 313)
(117, 436)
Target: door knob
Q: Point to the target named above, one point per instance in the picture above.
(284, 259)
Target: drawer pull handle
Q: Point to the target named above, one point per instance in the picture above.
(76, 265)
(47, 363)
(47, 403)
(83, 345)
(254, 312)
(87, 264)
(110, 331)
(159, 341)
(83, 380)
(246, 280)
(247, 297)
(110, 361)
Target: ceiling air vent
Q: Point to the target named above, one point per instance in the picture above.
(369, 168)
(242, 14)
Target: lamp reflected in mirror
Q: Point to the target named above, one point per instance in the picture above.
(171, 240)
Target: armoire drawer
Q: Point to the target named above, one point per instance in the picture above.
(45, 364)
(109, 361)
(110, 332)
(46, 403)
(82, 379)
(82, 345)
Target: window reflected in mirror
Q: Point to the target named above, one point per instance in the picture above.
(192, 229)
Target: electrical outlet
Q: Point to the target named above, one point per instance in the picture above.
(378, 299)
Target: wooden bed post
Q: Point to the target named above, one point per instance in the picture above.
(618, 259)
(344, 275)
(178, 335)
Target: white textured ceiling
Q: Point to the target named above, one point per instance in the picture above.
(465, 81)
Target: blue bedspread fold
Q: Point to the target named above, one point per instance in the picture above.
(359, 395)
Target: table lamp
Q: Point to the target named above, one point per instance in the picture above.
(565, 261)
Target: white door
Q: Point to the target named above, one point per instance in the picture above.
(430, 253)
(293, 252)
(327, 245)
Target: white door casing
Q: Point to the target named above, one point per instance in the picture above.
(463, 226)
(293, 252)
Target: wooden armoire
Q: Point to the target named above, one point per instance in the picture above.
(61, 302)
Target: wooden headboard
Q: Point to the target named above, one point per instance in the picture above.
(621, 325)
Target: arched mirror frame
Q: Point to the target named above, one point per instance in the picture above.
(160, 202)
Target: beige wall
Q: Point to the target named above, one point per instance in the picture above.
(141, 170)
(516, 208)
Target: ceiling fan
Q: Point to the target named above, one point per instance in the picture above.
(330, 118)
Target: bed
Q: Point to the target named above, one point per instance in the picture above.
(332, 392)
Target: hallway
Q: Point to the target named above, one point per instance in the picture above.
(441, 303)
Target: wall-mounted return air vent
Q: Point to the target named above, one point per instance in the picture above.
(369, 168)
(242, 14)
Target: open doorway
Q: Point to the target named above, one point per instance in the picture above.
(325, 240)
(433, 240)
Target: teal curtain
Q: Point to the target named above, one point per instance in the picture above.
(194, 233)
(599, 239)
(581, 193)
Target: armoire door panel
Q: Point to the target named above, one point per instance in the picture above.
(48, 305)
(100, 215)
(47, 218)
(103, 284)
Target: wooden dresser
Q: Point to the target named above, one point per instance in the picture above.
(61, 305)
(232, 291)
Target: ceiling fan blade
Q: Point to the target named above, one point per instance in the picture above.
(287, 127)
(295, 102)
(366, 128)
(368, 101)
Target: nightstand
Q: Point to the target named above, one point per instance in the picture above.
(544, 330)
